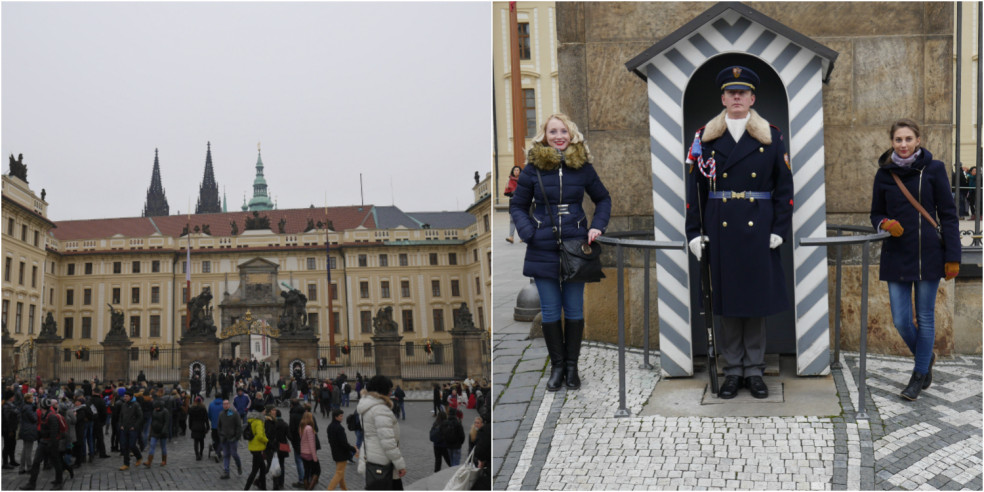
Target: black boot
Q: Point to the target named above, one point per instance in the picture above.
(929, 375)
(911, 392)
(573, 333)
(554, 337)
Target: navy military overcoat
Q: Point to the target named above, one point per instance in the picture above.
(747, 278)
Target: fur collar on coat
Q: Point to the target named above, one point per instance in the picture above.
(546, 158)
(757, 128)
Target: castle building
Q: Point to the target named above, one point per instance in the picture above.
(422, 264)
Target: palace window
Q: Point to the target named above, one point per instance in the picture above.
(87, 297)
(363, 261)
(433, 258)
(337, 324)
(407, 320)
(86, 327)
(10, 226)
(334, 291)
(365, 319)
(155, 266)
(69, 297)
(18, 316)
(313, 321)
(312, 292)
(6, 308)
(455, 289)
(6, 268)
(404, 288)
(486, 220)
(134, 326)
(88, 268)
(481, 318)
(135, 295)
(206, 266)
(155, 325)
(529, 109)
(384, 288)
(30, 318)
(475, 254)
(116, 295)
(20, 274)
(136, 267)
(71, 269)
(311, 264)
(37, 238)
(331, 261)
(383, 260)
(436, 288)
(69, 327)
(403, 259)
(155, 294)
(24, 233)
(438, 320)
(364, 290)
(184, 267)
(478, 285)
(117, 267)
(34, 276)
(409, 349)
(452, 258)
(523, 29)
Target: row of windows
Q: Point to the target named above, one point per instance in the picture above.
(384, 288)
(403, 260)
(19, 317)
(7, 268)
(23, 232)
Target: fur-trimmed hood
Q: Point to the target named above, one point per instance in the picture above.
(546, 158)
(757, 128)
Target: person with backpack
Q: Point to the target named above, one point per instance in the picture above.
(28, 432)
(282, 433)
(399, 399)
(346, 393)
(70, 440)
(242, 403)
(354, 424)
(254, 433)
(341, 450)
(51, 430)
(440, 442)
(230, 430)
(160, 428)
(98, 405)
(454, 434)
(11, 418)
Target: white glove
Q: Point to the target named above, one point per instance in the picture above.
(695, 245)
(774, 241)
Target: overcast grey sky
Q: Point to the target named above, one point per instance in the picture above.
(400, 92)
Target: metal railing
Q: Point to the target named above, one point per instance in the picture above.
(418, 363)
(357, 361)
(165, 367)
(838, 241)
(615, 239)
(88, 367)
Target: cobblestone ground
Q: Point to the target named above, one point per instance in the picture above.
(183, 472)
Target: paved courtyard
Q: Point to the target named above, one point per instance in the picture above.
(571, 440)
(183, 472)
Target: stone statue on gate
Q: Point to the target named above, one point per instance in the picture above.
(17, 167)
(49, 329)
(293, 319)
(116, 329)
(201, 323)
(463, 321)
(383, 324)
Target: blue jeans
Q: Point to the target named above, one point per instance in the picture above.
(455, 456)
(345, 399)
(403, 409)
(359, 436)
(299, 463)
(89, 439)
(145, 434)
(230, 449)
(554, 296)
(919, 339)
(153, 446)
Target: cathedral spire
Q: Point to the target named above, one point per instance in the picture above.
(208, 195)
(156, 204)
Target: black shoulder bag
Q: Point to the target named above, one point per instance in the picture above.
(579, 261)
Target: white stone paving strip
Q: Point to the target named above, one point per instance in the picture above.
(961, 462)
(900, 438)
(529, 449)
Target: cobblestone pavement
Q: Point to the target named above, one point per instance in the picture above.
(570, 440)
(183, 472)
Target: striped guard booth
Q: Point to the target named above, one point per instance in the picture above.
(803, 66)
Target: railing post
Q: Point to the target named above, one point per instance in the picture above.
(862, 413)
(622, 411)
(837, 309)
(645, 309)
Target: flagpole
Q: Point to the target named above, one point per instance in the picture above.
(188, 275)
(331, 310)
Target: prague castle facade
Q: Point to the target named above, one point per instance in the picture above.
(423, 265)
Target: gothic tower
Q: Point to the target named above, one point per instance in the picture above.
(156, 204)
(208, 195)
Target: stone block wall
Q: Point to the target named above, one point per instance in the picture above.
(895, 60)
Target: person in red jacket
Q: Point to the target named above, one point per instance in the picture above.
(510, 187)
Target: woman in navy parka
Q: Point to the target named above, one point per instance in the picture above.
(913, 258)
(564, 163)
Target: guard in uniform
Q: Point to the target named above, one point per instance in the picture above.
(740, 200)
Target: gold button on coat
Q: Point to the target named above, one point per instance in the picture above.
(753, 175)
(725, 175)
(724, 224)
(750, 223)
(761, 149)
(752, 200)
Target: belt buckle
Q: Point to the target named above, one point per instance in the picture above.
(562, 209)
(735, 194)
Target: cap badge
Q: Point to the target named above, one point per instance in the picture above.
(736, 71)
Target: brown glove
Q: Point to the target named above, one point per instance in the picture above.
(892, 226)
(951, 268)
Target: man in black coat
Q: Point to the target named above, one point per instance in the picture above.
(341, 450)
(50, 435)
(740, 200)
(296, 412)
(11, 417)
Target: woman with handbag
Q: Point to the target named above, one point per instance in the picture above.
(510, 188)
(309, 451)
(546, 207)
(912, 201)
(382, 462)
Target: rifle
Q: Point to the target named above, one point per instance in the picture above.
(708, 314)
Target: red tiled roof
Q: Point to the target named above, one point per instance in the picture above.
(342, 218)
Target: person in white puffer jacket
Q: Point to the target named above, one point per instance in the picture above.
(382, 432)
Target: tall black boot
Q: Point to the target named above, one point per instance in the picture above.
(554, 336)
(929, 375)
(573, 334)
(911, 392)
